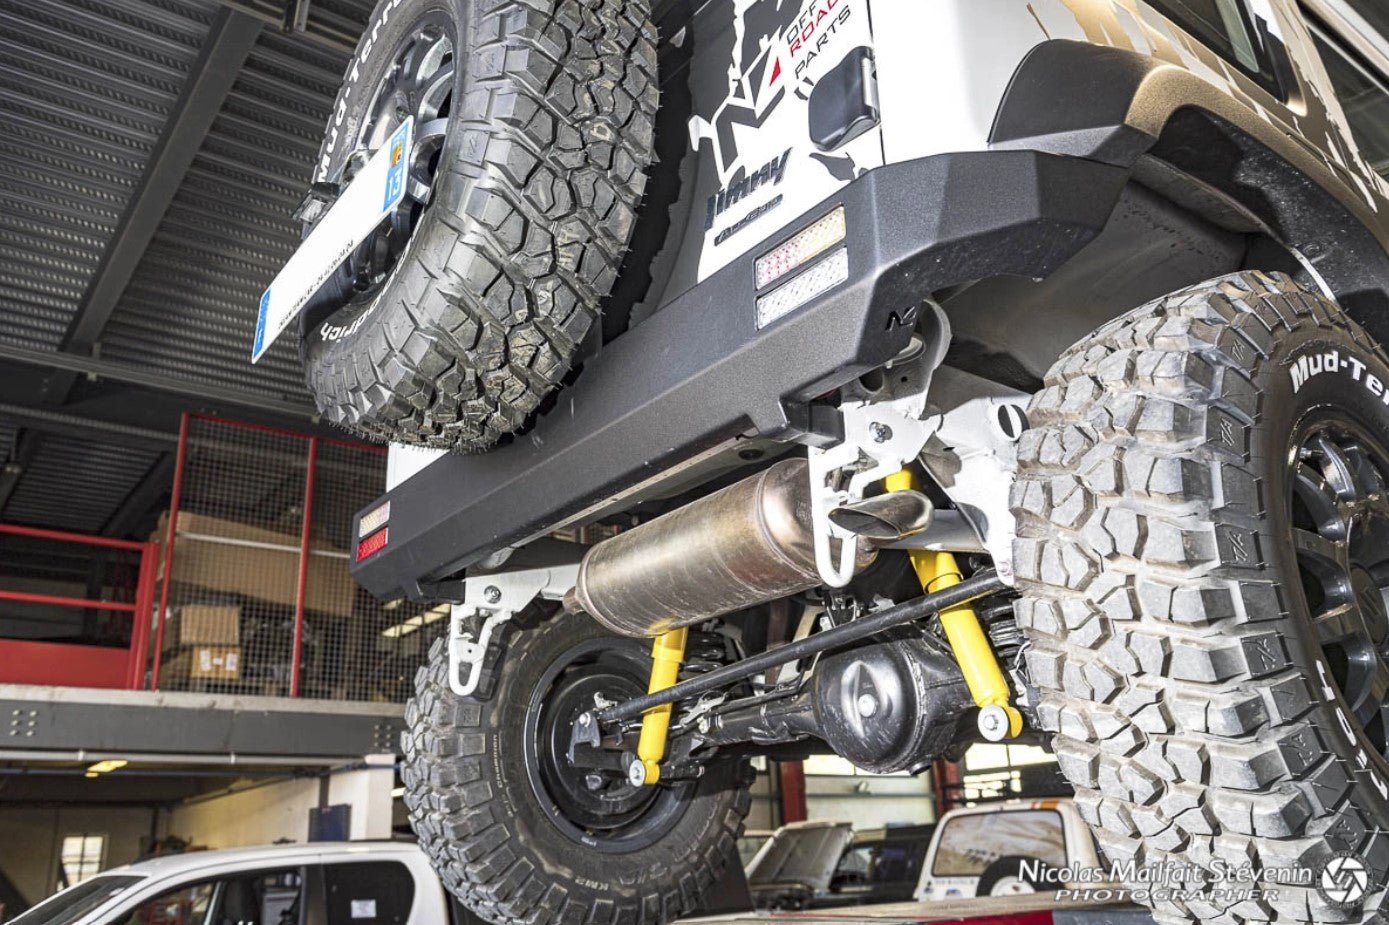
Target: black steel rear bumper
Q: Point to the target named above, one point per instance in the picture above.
(698, 374)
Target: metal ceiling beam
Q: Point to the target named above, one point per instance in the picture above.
(297, 15)
(26, 448)
(121, 372)
(143, 498)
(52, 421)
(229, 41)
(287, 12)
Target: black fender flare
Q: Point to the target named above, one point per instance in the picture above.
(1117, 106)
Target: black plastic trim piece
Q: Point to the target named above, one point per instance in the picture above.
(699, 374)
(1113, 105)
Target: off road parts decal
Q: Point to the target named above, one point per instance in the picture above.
(758, 166)
(815, 30)
(771, 173)
(1324, 362)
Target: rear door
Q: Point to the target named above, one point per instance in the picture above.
(369, 892)
(968, 844)
(785, 113)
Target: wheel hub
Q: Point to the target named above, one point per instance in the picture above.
(1341, 537)
(597, 799)
(595, 806)
(419, 82)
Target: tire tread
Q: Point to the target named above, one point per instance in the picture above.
(1153, 626)
(482, 319)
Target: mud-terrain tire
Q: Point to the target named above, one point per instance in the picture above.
(1168, 612)
(500, 841)
(535, 188)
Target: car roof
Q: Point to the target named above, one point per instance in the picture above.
(1007, 806)
(193, 861)
(895, 833)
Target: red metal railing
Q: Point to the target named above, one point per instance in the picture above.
(179, 463)
(255, 550)
(302, 585)
(78, 665)
(259, 525)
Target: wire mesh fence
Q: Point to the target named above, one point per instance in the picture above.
(256, 596)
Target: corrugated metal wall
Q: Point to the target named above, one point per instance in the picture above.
(77, 484)
(86, 89)
(231, 227)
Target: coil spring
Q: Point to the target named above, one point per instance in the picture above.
(1002, 627)
(703, 653)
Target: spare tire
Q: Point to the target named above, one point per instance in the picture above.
(533, 127)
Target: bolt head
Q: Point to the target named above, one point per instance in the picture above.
(881, 433)
(636, 773)
(492, 594)
(593, 780)
(993, 723)
(585, 719)
(867, 705)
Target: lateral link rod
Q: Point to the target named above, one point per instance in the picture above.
(980, 585)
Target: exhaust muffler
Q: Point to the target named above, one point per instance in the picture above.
(744, 545)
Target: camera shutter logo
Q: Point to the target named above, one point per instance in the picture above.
(1345, 880)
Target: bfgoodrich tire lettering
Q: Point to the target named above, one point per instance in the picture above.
(533, 202)
(1168, 626)
(499, 846)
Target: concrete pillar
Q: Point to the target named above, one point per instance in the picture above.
(369, 792)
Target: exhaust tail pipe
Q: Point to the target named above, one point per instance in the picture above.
(744, 545)
(886, 518)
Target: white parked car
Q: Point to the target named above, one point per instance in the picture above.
(1002, 849)
(355, 883)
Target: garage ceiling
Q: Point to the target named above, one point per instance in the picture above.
(153, 155)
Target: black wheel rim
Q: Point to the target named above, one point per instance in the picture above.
(1340, 533)
(599, 809)
(419, 82)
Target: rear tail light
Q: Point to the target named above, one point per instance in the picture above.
(808, 244)
(372, 544)
(374, 519)
(814, 282)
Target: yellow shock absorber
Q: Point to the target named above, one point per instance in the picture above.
(667, 654)
(987, 685)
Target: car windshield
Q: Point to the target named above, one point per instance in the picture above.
(880, 863)
(73, 903)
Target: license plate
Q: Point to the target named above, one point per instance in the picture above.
(372, 195)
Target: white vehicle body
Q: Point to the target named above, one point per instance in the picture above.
(754, 165)
(968, 840)
(338, 883)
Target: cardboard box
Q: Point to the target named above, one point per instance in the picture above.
(257, 563)
(203, 624)
(198, 663)
(219, 662)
